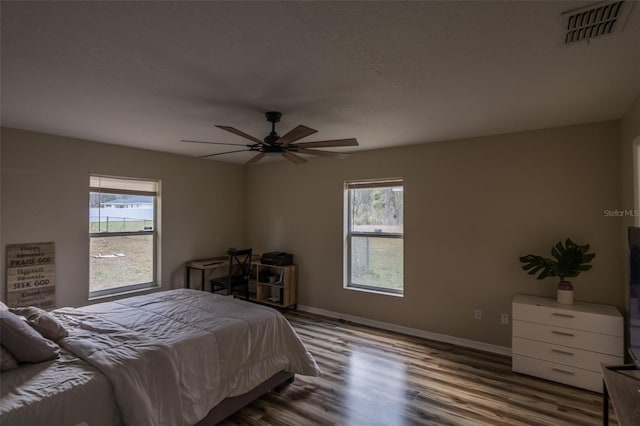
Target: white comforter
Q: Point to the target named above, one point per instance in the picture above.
(171, 356)
(63, 391)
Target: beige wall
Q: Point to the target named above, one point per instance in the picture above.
(471, 208)
(44, 197)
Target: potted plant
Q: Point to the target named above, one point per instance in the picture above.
(567, 260)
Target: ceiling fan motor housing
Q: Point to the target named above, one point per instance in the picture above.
(272, 117)
(271, 148)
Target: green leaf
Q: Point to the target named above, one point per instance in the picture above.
(568, 261)
(534, 269)
(560, 248)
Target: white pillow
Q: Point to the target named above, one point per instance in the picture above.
(43, 322)
(23, 342)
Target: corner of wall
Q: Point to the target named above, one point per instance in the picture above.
(245, 206)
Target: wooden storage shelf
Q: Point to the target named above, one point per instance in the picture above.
(275, 285)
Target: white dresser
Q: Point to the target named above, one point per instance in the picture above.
(565, 343)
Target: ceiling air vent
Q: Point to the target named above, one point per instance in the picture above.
(595, 20)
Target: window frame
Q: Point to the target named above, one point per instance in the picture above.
(154, 283)
(636, 181)
(349, 234)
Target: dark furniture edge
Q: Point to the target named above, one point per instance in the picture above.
(230, 405)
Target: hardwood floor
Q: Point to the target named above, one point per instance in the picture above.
(375, 377)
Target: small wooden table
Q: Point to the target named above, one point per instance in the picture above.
(621, 384)
(206, 267)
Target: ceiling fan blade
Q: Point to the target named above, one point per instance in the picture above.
(326, 144)
(222, 153)
(295, 134)
(293, 158)
(239, 133)
(255, 159)
(329, 154)
(213, 143)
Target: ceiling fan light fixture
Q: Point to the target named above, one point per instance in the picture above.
(296, 159)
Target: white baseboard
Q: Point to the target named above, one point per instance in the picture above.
(468, 343)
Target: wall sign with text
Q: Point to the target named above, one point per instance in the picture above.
(31, 275)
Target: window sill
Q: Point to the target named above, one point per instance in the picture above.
(368, 290)
(124, 292)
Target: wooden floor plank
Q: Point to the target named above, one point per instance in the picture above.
(376, 377)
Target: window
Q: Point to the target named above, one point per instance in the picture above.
(374, 235)
(123, 234)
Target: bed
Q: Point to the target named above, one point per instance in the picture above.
(178, 357)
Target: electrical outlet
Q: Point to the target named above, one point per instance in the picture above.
(477, 314)
(504, 319)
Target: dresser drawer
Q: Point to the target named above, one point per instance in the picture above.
(612, 345)
(563, 355)
(604, 319)
(558, 372)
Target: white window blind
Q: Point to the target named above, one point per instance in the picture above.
(123, 186)
(374, 183)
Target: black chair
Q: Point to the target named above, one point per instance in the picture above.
(238, 276)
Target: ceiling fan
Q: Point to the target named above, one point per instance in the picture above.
(285, 145)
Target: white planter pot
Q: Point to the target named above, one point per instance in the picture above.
(565, 297)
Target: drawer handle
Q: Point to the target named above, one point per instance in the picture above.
(558, 351)
(562, 333)
(562, 315)
(560, 370)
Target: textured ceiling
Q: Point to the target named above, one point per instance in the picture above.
(147, 74)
